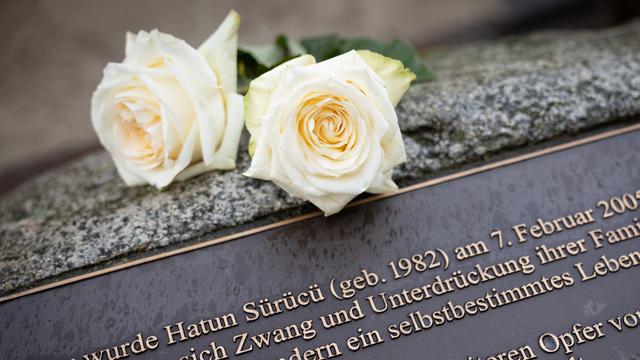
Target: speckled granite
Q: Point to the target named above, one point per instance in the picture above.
(487, 99)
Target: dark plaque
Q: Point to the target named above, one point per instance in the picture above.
(537, 259)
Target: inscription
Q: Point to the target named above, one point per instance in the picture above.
(453, 274)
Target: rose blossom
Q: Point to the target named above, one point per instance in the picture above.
(169, 111)
(328, 131)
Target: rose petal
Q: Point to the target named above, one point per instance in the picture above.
(256, 102)
(220, 51)
(396, 77)
(331, 204)
(226, 154)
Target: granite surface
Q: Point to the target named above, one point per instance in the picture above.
(487, 99)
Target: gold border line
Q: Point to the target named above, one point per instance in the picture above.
(428, 183)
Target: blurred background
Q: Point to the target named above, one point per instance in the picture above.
(52, 52)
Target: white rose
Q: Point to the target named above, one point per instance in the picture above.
(328, 131)
(169, 111)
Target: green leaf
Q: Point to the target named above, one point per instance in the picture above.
(323, 47)
(249, 68)
(254, 61)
